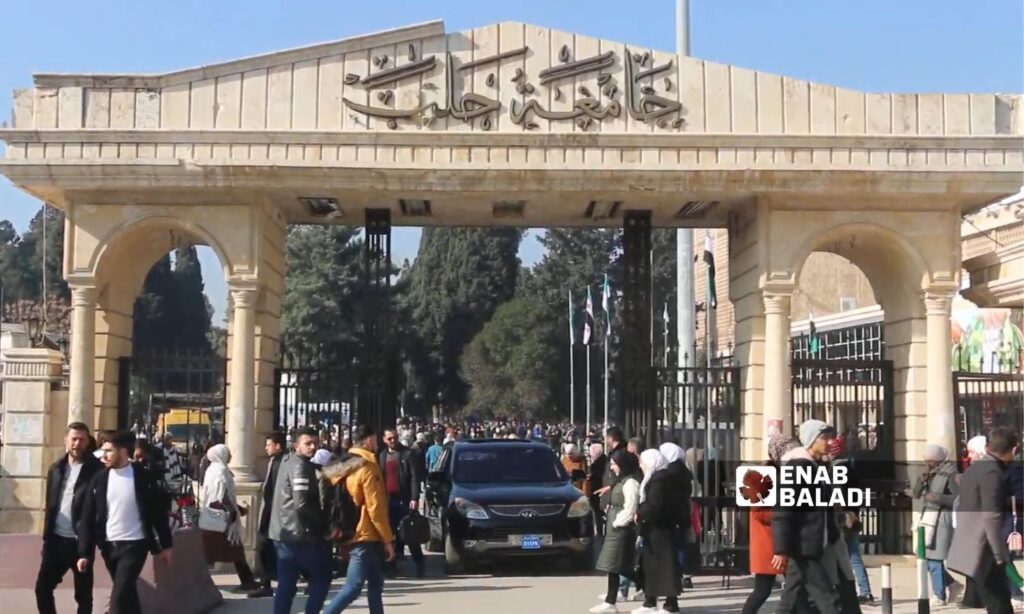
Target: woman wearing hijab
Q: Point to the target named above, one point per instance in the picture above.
(618, 554)
(934, 494)
(661, 507)
(682, 484)
(761, 546)
(219, 518)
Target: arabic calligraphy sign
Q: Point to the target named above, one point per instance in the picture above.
(642, 102)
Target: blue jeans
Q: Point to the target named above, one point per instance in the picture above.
(365, 565)
(938, 573)
(293, 559)
(857, 562)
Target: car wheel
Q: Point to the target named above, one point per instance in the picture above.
(453, 559)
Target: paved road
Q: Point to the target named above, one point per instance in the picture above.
(522, 587)
(509, 589)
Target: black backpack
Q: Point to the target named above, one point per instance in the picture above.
(344, 511)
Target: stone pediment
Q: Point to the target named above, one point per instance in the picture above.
(508, 78)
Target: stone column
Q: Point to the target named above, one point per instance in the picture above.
(82, 385)
(777, 381)
(242, 387)
(940, 411)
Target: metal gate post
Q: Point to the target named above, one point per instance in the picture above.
(377, 398)
(637, 383)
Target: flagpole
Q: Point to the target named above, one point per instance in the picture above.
(589, 397)
(606, 380)
(572, 368)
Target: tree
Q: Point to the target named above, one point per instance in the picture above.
(461, 275)
(191, 312)
(507, 363)
(171, 312)
(320, 311)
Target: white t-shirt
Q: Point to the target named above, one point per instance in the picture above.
(124, 523)
(63, 525)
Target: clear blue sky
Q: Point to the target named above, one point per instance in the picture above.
(872, 45)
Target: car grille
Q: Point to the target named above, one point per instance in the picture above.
(527, 511)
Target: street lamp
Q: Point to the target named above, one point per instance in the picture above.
(36, 330)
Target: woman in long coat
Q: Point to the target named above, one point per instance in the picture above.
(661, 508)
(618, 554)
(935, 492)
(219, 517)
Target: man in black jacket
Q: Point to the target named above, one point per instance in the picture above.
(274, 447)
(402, 483)
(66, 484)
(800, 535)
(298, 526)
(126, 515)
(613, 440)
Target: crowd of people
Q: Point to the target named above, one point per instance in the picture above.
(345, 504)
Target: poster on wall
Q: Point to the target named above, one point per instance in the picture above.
(987, 340)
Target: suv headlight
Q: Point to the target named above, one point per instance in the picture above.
(470, 510)
(580, 508)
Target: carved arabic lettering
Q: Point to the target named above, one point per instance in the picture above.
(650, 107)
(642, 100)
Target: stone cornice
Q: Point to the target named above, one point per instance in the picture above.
(997, 256)
(496, 139)
(299, 54)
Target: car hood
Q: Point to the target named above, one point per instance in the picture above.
(485, 494)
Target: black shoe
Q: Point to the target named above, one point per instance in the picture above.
(263, 591)
(688, 583)
(868, 599)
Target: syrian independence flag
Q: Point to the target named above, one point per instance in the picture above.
(709, 259)
(572, 321)
(588, 322)
(606, 306)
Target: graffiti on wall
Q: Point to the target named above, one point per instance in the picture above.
(987, 340)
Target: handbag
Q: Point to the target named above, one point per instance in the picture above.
(414, 529)
(1014, 541)
(213, 520)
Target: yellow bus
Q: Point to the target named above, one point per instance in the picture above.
(186, 424)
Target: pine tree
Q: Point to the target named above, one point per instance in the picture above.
(191, 313)
(460, 277)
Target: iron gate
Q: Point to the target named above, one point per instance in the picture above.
(857, 398)
(984, 401)
(177, 392)
(313, 389)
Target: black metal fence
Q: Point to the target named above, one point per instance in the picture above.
(315, 389)
(177, 392)
(984, 401)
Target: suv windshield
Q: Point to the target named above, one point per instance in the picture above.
(504, 465)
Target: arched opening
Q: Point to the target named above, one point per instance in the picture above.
(161, 357)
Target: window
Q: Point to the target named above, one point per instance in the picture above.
(847, 303)
(508, 464)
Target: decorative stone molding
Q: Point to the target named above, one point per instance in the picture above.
(84, 296)
(28, 364)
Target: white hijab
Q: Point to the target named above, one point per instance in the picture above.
(218, 481)
(651, 461)
(671, 452)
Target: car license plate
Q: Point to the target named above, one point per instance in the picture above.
(530, 541)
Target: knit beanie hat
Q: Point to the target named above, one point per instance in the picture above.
(810, 431)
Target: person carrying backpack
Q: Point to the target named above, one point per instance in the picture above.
(359, 519)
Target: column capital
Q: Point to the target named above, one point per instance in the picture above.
(83, 295)
(244, 292)
(938, 301)
(776, 303)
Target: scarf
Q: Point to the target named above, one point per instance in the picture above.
(651, 462)
(219, 485)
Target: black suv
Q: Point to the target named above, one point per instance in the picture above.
(499, 497)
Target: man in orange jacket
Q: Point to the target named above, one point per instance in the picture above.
(373, 543)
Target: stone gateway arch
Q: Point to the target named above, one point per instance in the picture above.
(513, 124)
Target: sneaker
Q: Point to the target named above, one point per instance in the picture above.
(953, 592)
(687, 582)
(637, 596)
(261, 592)
(868, 599)
(603, 608)
(937, 602)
